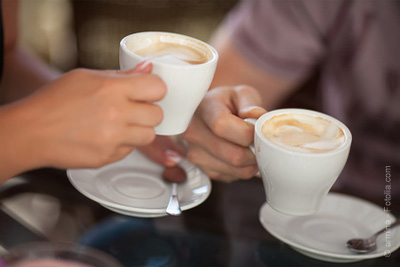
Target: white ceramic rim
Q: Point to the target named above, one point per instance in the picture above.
(260, 121)
(134, 213)
(211, 49)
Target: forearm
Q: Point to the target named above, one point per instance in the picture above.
(234, 69)
(19, 151)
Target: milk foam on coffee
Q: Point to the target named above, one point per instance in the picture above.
(305, 133)
(167, 49)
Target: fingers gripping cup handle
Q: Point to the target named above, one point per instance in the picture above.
(252, 121)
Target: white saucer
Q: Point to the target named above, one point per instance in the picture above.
(136, 214)
(323, 235)
(134, 186)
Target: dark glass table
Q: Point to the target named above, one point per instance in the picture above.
(223, 231)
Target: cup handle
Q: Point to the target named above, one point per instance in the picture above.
(252, 121)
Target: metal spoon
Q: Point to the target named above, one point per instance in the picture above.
(174, 175)
(368, 244)
(173, 207)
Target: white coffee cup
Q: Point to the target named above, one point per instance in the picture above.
(296, 180)
(186, 83)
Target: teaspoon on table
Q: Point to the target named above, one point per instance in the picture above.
(174, 175)
(367, 245)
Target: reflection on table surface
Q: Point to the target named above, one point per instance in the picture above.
(223, 231)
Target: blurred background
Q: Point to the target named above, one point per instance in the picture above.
(86, 33)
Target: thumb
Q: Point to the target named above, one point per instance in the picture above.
(144, 67)
(249, 102)
(163, 151)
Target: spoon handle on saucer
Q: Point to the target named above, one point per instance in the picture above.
(173, 207)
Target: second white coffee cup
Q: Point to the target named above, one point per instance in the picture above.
(297, 181)
(186, 83)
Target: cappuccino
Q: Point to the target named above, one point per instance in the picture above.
(303, 133)
(300, 154)
(185, 64)
(168, 49)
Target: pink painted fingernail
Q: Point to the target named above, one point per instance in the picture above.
(143, 66)
(173, 157)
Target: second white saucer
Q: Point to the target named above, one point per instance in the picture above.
(323, 235)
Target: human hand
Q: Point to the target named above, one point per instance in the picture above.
(166, 151)
(218, 137)
(86, 118)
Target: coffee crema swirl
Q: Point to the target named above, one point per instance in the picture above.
(166, 51)
(304, 133)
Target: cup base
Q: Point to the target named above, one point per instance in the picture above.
(293, 213)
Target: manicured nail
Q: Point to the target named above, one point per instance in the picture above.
(173, 157)
(142, 66)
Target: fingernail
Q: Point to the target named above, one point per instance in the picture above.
(143, 66)
(173, 157)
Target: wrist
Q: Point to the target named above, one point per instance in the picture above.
(20, 148)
